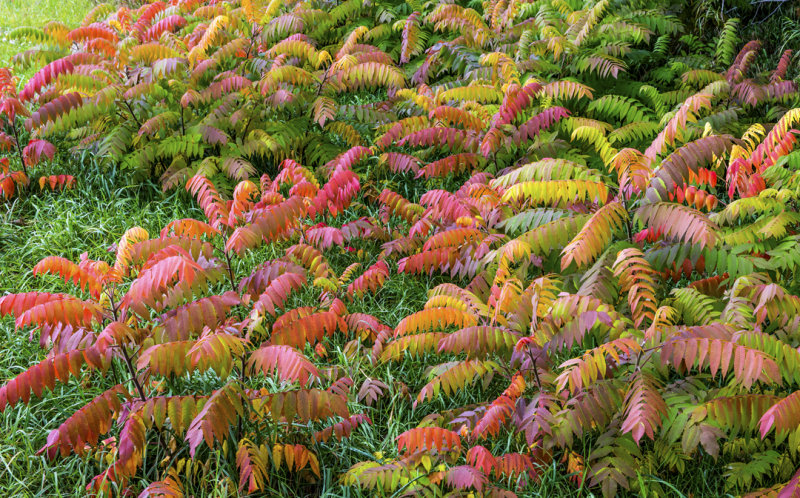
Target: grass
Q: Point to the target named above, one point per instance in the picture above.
(17, 13)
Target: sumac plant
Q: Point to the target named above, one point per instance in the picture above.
(601, 205)
(37, 150)
(171, 309)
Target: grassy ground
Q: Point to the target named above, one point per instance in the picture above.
(16, 13)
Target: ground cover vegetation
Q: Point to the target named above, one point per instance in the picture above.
(391, 248)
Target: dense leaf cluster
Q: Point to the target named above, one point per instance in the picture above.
(609, 203)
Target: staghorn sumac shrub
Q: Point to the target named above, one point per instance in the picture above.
(533, 169)
(171, 308)
(28, 156)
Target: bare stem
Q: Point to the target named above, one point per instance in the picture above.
(231, 277)
(19, 149)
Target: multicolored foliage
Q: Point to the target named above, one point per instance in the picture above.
(11, 109)
(603, 206)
